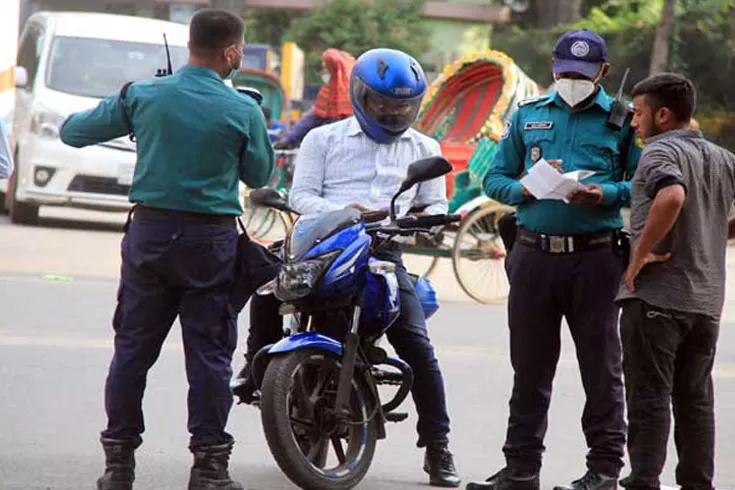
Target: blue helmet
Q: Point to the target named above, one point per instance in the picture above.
(386, 89)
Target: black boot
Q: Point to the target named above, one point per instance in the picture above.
(210, 469)
(592, 481)
(507, 479)
(243, 385)
(119, 465)
(439, 464)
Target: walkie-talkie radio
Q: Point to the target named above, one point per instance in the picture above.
(162, 72)
(620, 110)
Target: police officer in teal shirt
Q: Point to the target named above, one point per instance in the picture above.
(196, 139)
(566, 262)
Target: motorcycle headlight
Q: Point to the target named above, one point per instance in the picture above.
(297, 280)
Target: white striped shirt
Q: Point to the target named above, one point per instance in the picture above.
(338, 165)
(6, 158)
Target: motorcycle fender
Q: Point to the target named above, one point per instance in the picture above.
(307, 340)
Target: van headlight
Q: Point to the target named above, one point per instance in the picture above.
(297, 280)
(46, 123)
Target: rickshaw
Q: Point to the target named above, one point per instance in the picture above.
(260, 222)
(465, 109)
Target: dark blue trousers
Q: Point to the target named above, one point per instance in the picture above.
(174, 266)
(408, 336)
(581, 287)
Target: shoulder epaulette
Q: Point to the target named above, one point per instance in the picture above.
(532, 100)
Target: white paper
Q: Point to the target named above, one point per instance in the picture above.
(543, 181)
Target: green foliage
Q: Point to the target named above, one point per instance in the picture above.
(267, 26)
(356, 26)
(620, 15)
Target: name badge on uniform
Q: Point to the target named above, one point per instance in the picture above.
(530, 126)
(535, 153)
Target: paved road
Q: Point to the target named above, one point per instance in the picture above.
(57, 287)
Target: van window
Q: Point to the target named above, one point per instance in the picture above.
(29, 52)
(100, 67)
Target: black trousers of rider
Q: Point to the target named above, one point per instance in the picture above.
(581, 287)
(172, 266)
(409, 337)
(667, 359)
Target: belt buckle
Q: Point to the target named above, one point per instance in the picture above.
(557, 244)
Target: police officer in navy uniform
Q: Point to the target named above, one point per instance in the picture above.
(566, 262)
(196, 139)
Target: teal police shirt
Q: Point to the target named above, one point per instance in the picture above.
(196, 138)
(547, 128)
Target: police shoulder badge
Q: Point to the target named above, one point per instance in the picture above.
(531, 100)
(506, 130)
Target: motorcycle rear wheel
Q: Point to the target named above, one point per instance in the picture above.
(297, 398)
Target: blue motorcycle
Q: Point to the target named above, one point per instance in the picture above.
(319, 385)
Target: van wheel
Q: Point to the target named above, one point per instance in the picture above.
(20, 212)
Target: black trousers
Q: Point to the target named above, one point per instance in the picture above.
(667, 360)
(174, 267)
(581, 287)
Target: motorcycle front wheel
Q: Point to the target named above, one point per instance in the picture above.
(313, 447)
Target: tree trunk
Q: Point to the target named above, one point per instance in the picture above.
(550, 13)
(660, 54)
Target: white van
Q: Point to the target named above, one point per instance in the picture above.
(67, 62)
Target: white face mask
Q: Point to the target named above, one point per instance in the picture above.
(574, 91)
(325, 77)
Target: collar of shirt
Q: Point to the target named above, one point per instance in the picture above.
(601, 100)
(676, 133)
(199, 71)
(354, 129)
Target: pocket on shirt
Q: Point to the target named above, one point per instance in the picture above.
(539, 144)
(598, 153)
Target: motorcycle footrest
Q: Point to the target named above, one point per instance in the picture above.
(396, 416)
(388, 377)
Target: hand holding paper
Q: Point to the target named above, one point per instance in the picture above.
(543, 181)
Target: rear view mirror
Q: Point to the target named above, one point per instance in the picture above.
(421, 171)
(268, 197)
(426, 169)
(21, 77)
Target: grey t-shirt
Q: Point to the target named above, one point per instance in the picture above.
(693, 280)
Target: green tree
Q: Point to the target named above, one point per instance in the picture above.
(356, 26)
(267, 26)
(660, 54)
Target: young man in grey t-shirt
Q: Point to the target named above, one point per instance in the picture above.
(673, 291)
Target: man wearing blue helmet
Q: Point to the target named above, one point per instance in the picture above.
(360, 162)
(566, 262)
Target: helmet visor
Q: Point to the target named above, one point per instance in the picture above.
(392, 114)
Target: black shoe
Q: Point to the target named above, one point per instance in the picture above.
(209, 471)
(592, 481)
(119, 465)
(243, 386)
(439, 464)
(507, 479)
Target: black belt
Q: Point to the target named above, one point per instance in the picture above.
(556, 244)
(140, 211)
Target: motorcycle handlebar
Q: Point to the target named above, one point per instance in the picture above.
(408, 225)
(427, 221)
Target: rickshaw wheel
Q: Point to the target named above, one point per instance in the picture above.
(478, 240)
